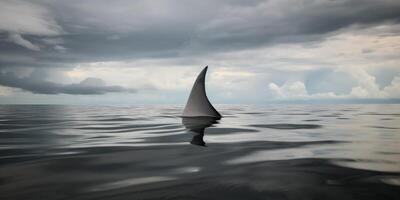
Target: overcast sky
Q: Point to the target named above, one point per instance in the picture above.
(140, 52)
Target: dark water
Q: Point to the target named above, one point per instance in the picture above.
(270, 152)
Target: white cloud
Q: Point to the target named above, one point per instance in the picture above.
(359, 92)
(393, 90)
(366, 88)
(296, 90)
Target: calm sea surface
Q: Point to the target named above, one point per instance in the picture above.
(150, 152)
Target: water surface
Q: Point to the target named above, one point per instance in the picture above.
(149, 152)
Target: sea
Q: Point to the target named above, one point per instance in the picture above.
(282, 151)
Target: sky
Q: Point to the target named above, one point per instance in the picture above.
(150, 52)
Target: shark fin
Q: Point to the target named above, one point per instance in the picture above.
(198, 104)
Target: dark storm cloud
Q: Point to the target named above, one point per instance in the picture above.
(35, 84)
(180, 29)
(99, 31)
(47, 33)
(293, 22)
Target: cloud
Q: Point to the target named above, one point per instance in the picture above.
(296, 90)
(36, 84)
(97, 31)
(286, 21)
(393, 90)
(19, 18)
(17, 39)
(53, 40)
(5, 91)
(367, 88)
(23, 17)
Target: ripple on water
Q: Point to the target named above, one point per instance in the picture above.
(384, 127)
(287, 126)
(223, 131)
(130, 182)
(312, 120)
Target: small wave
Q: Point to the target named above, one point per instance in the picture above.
(287, 126)
(384, 127)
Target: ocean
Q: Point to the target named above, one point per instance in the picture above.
(149, 152)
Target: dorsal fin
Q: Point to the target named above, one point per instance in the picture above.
(198, 104)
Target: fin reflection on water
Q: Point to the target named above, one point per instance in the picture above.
(197, 125)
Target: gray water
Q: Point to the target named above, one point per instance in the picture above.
(254, 152)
